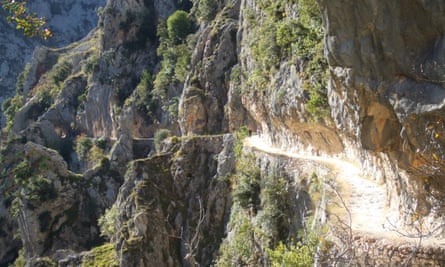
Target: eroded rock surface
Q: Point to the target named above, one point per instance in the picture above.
(387, 92)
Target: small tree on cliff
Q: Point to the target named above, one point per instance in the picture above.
(178, 26)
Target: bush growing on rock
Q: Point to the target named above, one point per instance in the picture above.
(178, 26)
(207, 9)
(160, 136)
(107, 222)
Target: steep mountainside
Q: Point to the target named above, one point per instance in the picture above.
(126, 148)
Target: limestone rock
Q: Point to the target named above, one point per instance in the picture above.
(166, 200)
(205, 93)
(387, 90)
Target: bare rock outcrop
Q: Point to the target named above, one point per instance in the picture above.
(173, 206)
(387, 93)
(202, 106)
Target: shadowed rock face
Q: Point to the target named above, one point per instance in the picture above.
(387, 64)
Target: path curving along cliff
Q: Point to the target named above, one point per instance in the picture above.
(365, 199)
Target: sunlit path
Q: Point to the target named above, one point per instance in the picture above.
(365, 199)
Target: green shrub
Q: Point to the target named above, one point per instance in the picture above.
(239, 140)
(160, 136)
(173, 108)
(178, 26)
(146, 80)
(174, 67)
(101, 143)
(91, 64)
(273, 217)
(309, 13)
(264, 46)
(182, 54)
(143, 96)
(22, 172)
(20, 261)
(10, 108)
(108, 222)
(288, 33)
(207, 9)
(103, 256)
(44, 262)
(61, 71)
(44, 99)
(32, 186)
(21, 79)
(236, 74)
(241, 250)
(83, 146)
(317, 104)
(247, 191)
(300, 254)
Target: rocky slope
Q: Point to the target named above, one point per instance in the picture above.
(124, 148)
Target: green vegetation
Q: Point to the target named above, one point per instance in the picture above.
(61, 71)
(38, 262)
(11, 105)
(300, 254)
(246, 193)
(34, 187)
(178, 26)
(83, 146)
(175, 51)
(44, 92)
(142, 96)
(107, 222)
(103, 256)
(240, 251)
(10, 108)
(260, 219)
(21, 79)
(91, 150)
(160, 136)
(100, 143)
(207, 9)
(91, 64)
(282, 38)
(20, 260)
(239, 139)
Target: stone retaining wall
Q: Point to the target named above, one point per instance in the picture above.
(369, 251)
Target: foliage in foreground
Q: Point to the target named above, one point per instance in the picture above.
(103, 256)
(260, 234)
(300, 254)
(19, 15)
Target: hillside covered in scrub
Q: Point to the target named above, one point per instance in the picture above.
(231, 133)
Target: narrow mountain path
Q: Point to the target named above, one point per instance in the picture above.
(364, 198)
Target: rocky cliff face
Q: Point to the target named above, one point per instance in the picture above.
(142, 127)
(387, 93)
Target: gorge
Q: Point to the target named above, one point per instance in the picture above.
(231, 133)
